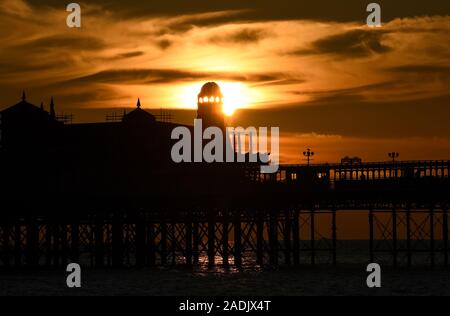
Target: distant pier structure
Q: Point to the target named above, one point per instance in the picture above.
(108, 195)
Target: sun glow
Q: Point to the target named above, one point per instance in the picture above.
(236, 95)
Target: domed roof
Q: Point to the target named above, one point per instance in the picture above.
(210, 89)
(25, 109)
(138, 116)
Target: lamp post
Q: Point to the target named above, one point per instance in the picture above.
(393, 155)
(308, 154)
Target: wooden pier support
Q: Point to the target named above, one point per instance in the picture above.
(225, 241)
(141, 247)
(64, 244)
(56, 245)
(260, 238)
(371, 236)
(394, 237)
(196, 242)
(173, 242)
(75, 242)
(211, 239)
(151, 244)
(188, 232)
(17, 245)
(237, 240)
(6, 243)
(32, 245)
(273, 238)
(117, 241)
(163, 242)
(334, 235)
(99, 241)
(91, 239)
(159, 239)
(313, 237)
(432, 238)
(445, 235)
(408, 237)
(296, 237)
(48, 244)
(287, 238)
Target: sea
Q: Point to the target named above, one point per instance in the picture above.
(348, 277)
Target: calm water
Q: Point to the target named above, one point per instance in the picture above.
(344, 280)
(348, 278)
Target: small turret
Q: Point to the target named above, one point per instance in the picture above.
(210, 105)
(52, 109)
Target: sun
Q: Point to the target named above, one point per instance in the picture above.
(236, 96)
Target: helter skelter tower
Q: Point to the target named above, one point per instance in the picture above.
(210, 106)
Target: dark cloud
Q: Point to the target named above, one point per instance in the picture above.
(421, 69)
(351, 44)
(17, 64)
(248, 35)
(121, 56)
(281, 82)
(139, 76)
(358, 118)
(149, 76)
(202, 19)
(164, 44)
(242, 37)
(27, 66)
(83, 97)
(130, 55)
(350, 93)
(263, 10)
(63, 41)
(422, 74)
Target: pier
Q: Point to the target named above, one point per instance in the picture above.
(294, 217)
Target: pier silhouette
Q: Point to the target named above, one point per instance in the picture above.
(108, 194)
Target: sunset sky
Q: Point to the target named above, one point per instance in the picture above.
(313, 68)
